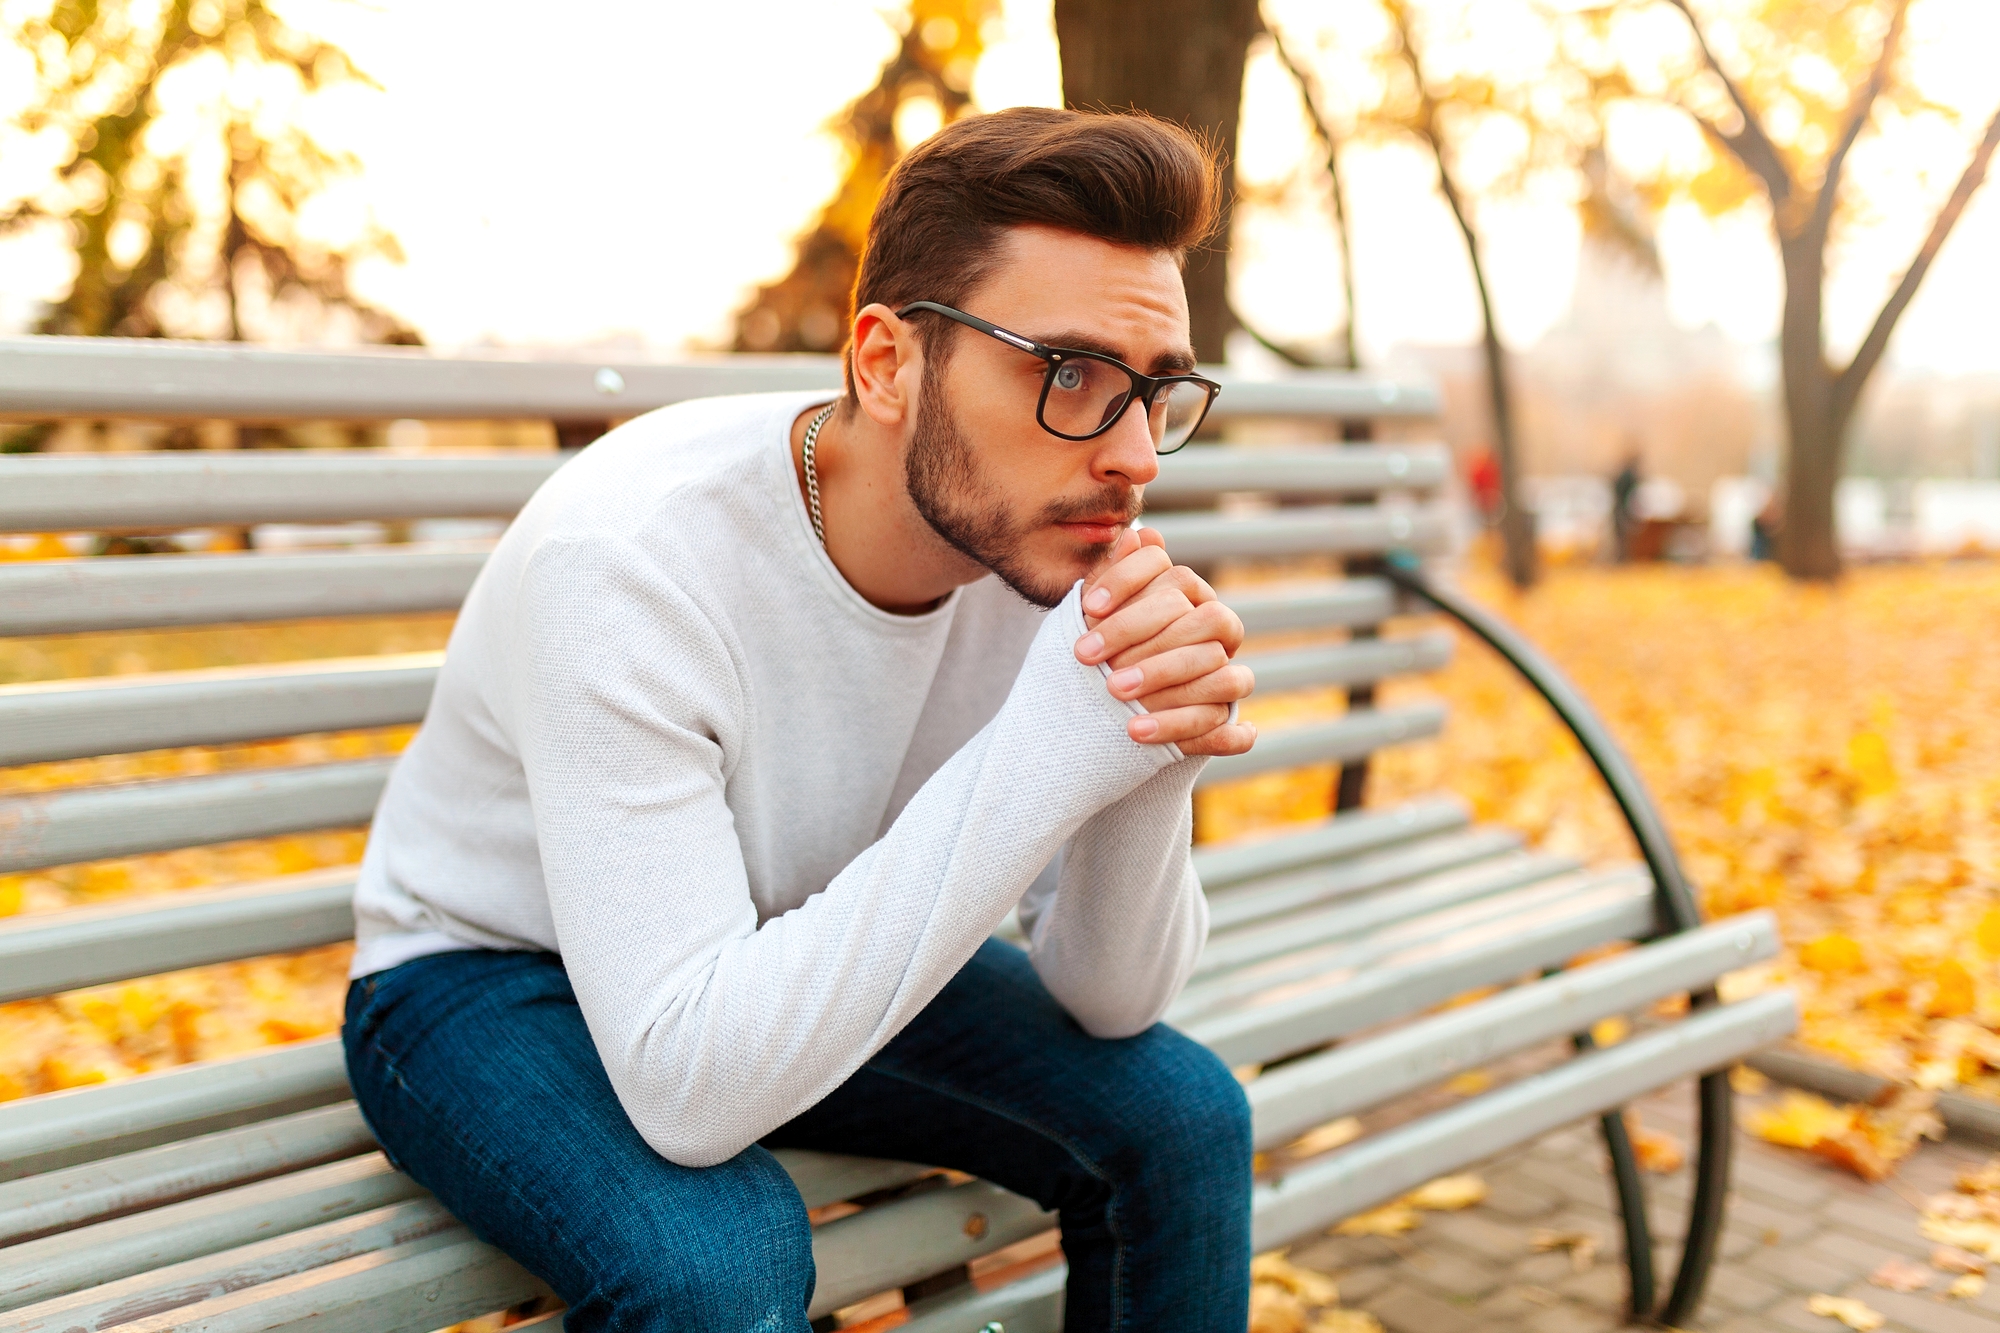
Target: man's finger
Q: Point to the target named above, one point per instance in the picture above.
(1182, 666)
(1226, 685)
(1213, 620)
(1231, 738)
(1177, 724)
(1138, 621)
(1117, 583)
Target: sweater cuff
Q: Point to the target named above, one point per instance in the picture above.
(1120, 710)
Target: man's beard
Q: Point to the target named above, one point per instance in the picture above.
(946, 486)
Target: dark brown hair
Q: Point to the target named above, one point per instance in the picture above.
(1129, 179)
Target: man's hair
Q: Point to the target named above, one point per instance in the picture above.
(937, 231)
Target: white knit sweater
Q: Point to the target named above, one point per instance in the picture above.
(763, 821)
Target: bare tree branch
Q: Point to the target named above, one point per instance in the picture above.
(1847, 387)
(1323, 125)
(1858, 109)
(1751, 145)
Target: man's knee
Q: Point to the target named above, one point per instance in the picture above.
(1196, 1119)
(742, 1260)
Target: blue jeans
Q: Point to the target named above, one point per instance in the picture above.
(479, 1078)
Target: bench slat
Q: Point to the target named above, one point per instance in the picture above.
(161, 379)
(1353, 735)
(1032, 1305)
(1357, 662)
(1340, 960)
(126, 714)
(1429, 971)
(90, 1256)
(138, 592)
(1307, 530)
(1313, 604)
(84, 1124)
(1317, 1194)
(153, 1177)
(207, 1276)
(1202, 472)
(1261, 900)
(1297, 1095)
(42, 955)
(1228, 951)
(95, 492)
(913, 1238)
(1221, 864)
(91, 823)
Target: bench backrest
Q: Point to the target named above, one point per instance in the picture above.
(1312, 498)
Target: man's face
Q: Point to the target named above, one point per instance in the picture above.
(1036, 509)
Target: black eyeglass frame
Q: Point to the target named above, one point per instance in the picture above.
(1145, 388)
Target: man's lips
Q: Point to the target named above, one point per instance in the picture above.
(1095, 529)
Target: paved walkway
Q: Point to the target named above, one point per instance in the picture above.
(1796, 1227)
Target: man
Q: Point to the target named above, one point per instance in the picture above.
(761, 719)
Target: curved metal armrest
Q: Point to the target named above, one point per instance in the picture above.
(1678, 912)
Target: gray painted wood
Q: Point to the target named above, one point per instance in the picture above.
(1222, 864)
(137, 592)
(43, 954)
(75, 719)
(1317, 1194)
(1351, 736)
(1426, 970)
(1032, 1305)
(1230, 950)
(89, 1256)
(1357, 662)
(1200, 537)
(1280, 895)
(1201, 472)
(90, 823)
(207, 1276)
(154, 1177)
(95, 492)
(84, 1124)
(927, 1233)
(1300, 1094)
(161, 380)
(1313, 604)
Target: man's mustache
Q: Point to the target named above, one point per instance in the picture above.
(1123, 502)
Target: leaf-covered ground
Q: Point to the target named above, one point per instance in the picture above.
(1831, 753)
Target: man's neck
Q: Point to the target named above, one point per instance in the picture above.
(874, 535)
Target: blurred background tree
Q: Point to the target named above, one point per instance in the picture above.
(184, 181)
(1181, 60)
(925, 85)
(1783, 92)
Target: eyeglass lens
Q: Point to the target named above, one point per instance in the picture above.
(1085, 394)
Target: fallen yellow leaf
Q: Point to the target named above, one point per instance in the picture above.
(1800, 1120)
(1447, 1194)
(1854, 1314)
(1345, 1321)
(1391, 1219)
(1901, 1275)
(1580, 1245)
(1325, 1138)
(1312, 1287)
(1469, 1084)
(1967, 1286)
(1832, 953)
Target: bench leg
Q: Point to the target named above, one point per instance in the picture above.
(1711, 1198)
(1641, 1296)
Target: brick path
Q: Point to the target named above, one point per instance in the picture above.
(1796, 1227)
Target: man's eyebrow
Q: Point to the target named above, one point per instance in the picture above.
(1175, 362)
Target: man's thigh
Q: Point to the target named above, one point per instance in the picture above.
(478, 1075)
(1142, 1142)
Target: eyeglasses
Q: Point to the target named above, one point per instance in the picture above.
(1085, 394)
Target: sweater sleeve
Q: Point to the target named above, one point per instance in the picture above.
(1122, 928)
(716, 1030)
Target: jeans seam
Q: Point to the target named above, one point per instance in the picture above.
(1069, 1146)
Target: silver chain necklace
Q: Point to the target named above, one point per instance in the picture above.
(812, 472)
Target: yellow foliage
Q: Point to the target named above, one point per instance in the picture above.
(1831, 754)
(1856, 1315)
(1800, 1120)
(1447, 1194)
(1391, 1219)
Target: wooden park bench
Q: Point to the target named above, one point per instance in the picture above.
(246, 1193)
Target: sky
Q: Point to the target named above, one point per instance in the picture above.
(611, 171)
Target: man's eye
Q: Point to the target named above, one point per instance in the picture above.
(1069, 377)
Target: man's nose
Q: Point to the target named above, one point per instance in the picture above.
(1125, 452)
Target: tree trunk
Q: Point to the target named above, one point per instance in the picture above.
(1808, 547)
(1181, 60)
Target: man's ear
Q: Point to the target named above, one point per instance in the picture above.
(887, 364)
